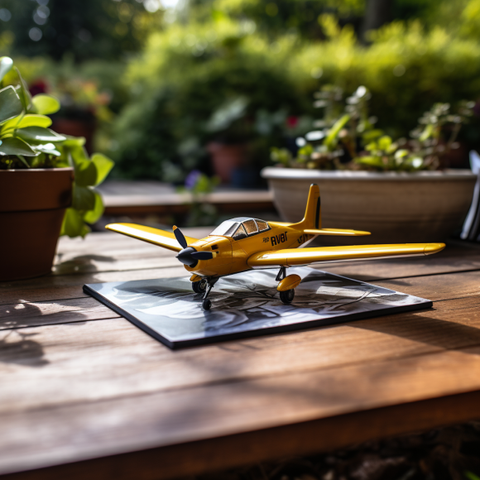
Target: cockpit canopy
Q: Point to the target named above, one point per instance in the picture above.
(241, 227)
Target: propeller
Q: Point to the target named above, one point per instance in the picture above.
(202, 255)
(188, 255)
(180, 237)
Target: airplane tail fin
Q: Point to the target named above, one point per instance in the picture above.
(313, 217)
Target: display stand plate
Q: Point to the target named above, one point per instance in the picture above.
(247, 304)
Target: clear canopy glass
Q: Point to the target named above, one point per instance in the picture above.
(233, 227)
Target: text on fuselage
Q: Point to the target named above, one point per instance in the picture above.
(277, 239)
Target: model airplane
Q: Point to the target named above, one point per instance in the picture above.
(243, 243)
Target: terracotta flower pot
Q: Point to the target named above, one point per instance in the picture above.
(226, 158)
(394, 207)
(32, 206)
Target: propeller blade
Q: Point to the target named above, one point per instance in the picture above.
(202, 255)
(180, 237)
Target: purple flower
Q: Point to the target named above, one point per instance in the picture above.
(192, 178)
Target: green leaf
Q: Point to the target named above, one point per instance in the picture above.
(10, 104)
(45, 104)
(74, 141)
(48, 148)
(371, 135)
(371, 161)
(94, 214)
(330, 140)
(25, 96)
(83, 198)
(15, 146)
(104, 165)
(306, 150)
(472, 476)
(401, 153)
(6, 64)
(73, 224)
(29, 120)
(23, 161)
(384, 143)
(85, 170)
(38, 135)
(427, 133)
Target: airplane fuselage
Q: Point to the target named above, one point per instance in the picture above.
(231, 255)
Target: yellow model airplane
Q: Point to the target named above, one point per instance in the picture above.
(243, 243)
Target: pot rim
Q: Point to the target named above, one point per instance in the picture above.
(280, 173)
(55, 169)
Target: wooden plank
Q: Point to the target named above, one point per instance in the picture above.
(117, 359)
(71, 432)
(194, 458)
(55, 287)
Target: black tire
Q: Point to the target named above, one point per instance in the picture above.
(206, 304)
(199, 287)
(287, 296)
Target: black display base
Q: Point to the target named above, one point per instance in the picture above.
(247, 304)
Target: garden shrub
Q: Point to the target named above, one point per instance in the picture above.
(185, 75)
(188, 71)
(406, 68)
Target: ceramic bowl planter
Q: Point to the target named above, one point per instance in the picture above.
(395, 206)
(32, 207)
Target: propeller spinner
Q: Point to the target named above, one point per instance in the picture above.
(189, 256)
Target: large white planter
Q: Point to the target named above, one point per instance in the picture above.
(395, 207)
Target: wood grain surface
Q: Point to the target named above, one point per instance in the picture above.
(85, 393)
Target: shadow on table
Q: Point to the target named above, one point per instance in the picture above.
(420, 328)
(80, 264)
(17, 346)
(22, 351)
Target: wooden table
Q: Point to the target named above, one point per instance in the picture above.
(85, 394)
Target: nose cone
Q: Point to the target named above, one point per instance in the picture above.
(185, 256)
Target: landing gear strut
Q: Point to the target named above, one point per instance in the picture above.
(210, 282)
(281, 274)
(287, 285)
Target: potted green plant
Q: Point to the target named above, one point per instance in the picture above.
(398, 190)
(47, 180)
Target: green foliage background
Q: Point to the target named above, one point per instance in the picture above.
(173, 73)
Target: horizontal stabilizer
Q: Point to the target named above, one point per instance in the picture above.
(338, 232)
(303, 256)
(155, 236)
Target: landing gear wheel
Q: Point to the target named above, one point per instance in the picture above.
(206, 304)
(287, 296)
(199, 287)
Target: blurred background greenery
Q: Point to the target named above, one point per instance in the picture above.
(169, 86)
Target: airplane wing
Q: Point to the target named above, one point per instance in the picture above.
(304, 256)
(156, 236)
(335, 231)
